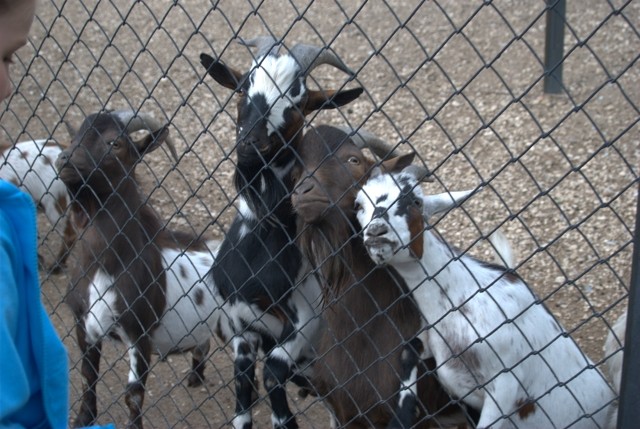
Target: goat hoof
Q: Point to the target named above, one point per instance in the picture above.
(84, 419)
(55, 269)
(304, 392)
(195, 380)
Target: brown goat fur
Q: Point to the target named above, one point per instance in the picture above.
(368, 311)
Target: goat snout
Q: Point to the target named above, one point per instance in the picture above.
(304, 187)
(250, 145)
(61, 161)
(376, 229)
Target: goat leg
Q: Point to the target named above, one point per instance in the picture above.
(90, 370)
(139, 355)
(244, 373)
(69, 237)
(276, 373)
(198, 360)
(405, 414)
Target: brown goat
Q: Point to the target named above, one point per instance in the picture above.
(136, 281)
(369, 322)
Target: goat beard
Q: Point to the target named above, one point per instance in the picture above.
(328, 246)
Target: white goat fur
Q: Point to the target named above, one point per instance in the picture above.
(496, 345)
(184, 324)
(30, 166)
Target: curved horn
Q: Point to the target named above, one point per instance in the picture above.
(71, 130)
(265, 45)
(365, 139)
(309, 57)
(136, 121)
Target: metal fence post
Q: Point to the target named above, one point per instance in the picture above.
(554, 46)
(630, 387)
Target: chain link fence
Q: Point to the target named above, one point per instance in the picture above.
(459, 83)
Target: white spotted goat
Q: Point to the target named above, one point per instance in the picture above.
(29, 165)
(496, 346)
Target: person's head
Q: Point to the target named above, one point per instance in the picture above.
(15, 21)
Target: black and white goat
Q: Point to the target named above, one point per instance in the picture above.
(30, 165)
(136, 282)
(270, 300)
(365, 352)
(497, 347)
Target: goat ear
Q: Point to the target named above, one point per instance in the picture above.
(398, 163)
(152, 141)
(439, 203)
(70, 129)
(375, 171)
(224, 75)
(319, 100)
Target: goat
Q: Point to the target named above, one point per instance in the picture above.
(370, 316)
(29, 165)
(614, 353)
(136, 282)
(270, 301)
(497, 347)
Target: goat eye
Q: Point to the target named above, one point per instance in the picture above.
(353, 160)
(418, 203)
(113, 143)
(357, 206)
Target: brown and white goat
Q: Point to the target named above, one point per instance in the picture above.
(137, 281)
(364, 352)
(271, 301)
(30, 165)
(497, 346)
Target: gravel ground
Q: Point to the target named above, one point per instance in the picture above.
(458, 82)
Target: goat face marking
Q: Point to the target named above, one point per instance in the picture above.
(386, 205)
(276, 82)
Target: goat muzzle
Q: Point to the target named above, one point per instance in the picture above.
(375, 231)
(62, 160)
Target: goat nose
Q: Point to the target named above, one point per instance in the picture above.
(247, 141)
(377, 230)
(304, 187)
(62, 159)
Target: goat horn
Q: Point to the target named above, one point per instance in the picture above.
(365, 139)
(70, 128)
(309, 57)
(421, 173)
(136, 121)
(265, 44)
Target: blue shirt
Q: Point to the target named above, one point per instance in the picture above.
(34, 386)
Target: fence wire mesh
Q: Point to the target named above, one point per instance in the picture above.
(459, 83)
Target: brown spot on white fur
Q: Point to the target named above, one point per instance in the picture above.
(199, 297)
(526, 407)
(416, 227)
(462, 356)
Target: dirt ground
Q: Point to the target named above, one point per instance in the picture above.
(461, 83)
